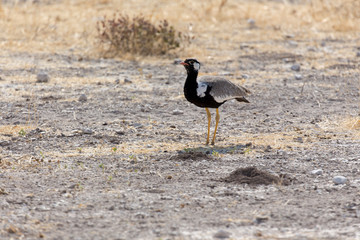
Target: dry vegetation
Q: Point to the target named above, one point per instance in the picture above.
(72, 24)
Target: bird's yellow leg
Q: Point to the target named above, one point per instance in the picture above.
(209, 120)
(216, 125)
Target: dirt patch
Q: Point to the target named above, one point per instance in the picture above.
(254, 176)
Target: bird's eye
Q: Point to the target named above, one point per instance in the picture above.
(191, 62)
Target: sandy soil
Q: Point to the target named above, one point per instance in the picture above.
(110, 149)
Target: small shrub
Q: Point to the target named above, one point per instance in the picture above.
(138, 36)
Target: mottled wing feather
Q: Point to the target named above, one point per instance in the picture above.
(222, 89)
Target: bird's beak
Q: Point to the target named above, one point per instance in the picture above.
(185, 64)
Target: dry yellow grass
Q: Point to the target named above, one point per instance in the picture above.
(216, 24)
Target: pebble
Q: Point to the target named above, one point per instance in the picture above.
(244, 76)
(177, 112)
(127, 80)
(295, 67)
(251, 22)
(317, 172)
(293, 43)
(4, 143)
(222, 234)
(87, 131)
(298, 77)
(339, 180)
(358, 54)
(42, 78)
(177, 61)
(82, 98)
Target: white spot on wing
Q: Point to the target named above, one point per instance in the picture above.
(201, 89)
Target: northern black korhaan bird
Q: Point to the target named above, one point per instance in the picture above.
(210, 92)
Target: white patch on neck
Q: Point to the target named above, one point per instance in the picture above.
(197, 66)
(201, 89)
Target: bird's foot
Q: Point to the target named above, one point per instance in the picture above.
(213, 143)
(207, 143)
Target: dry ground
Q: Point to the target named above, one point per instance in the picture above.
(129, 162)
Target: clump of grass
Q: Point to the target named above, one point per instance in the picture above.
(138, 35)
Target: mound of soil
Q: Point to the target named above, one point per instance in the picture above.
(254, 176)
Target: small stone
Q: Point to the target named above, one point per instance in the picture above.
(177, 112)
(119, 132)
(222, 234)
(298, 77)
(117, 81)
(82, 98)
(339, 180)
(4, 143)
(358, 54)
(177, 61)
(244, 76)
(251, 23)
(261, 219)
(42, 78)
(289, 35)
(87, 131)
(127, 80)
(317, 172)
(293, 43)
(295, 67)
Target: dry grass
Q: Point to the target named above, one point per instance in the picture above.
(72, 24)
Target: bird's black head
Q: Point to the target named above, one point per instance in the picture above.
(191, 64)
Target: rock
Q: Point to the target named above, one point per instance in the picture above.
(251, 23)
(317, 172)
(244, 76)
(358, 54)
(119, 132)
(295, 67)
(298, 77)
(289, 35)
(339, 180)
(127, 80)
(177, 61)
(82, 98)
(293, 43)
(177, 112)
(87, 131)
(42, 77)
(4, 143)
(222, 234)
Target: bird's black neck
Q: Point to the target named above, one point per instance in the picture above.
(191, 78)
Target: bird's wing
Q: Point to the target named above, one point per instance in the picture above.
(222, 89)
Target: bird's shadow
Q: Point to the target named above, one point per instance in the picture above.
(214, 150)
